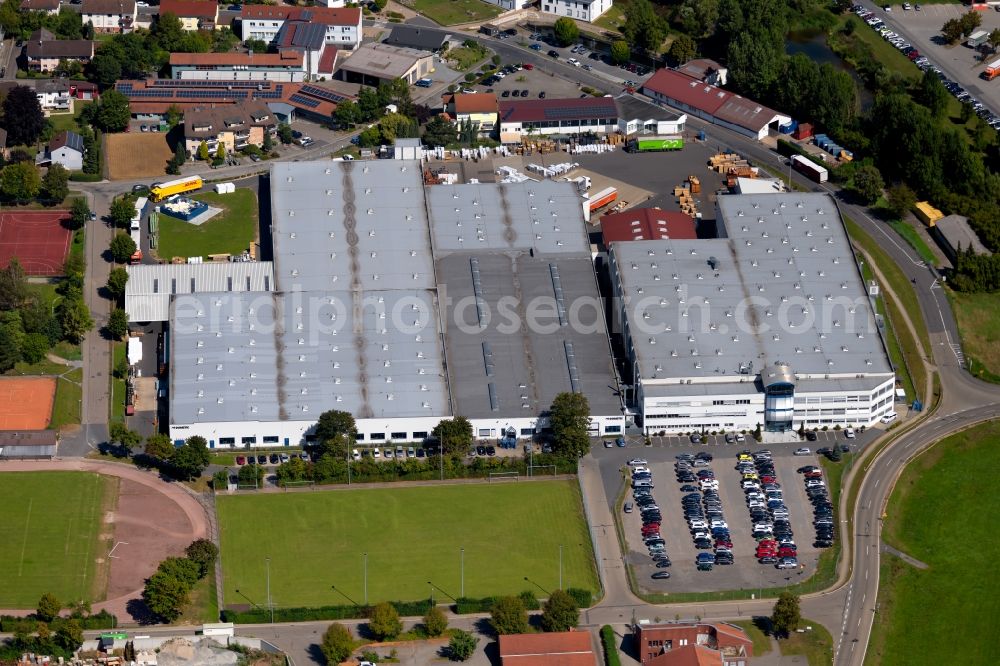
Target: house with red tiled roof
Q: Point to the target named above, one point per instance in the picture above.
(46, 6)
(708, 102)
(193, 14)
(343, 25)
(560, 648)
(718, 644)
(477, 108)
(647, 224)
(519, 117)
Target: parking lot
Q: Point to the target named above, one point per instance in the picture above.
(746, 572)
(534, 81)
(960, 63)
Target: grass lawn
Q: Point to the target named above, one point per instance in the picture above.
(895, 352)
(69, 393)
(231, 231)
(412, 535)
(915, 240)
(68, 121)
(816, 645)
(463, 58)
(67, 350)
(43, 367)
(761, 642)
(51, 524)
(933, 508)
(614, 18)
(203, 606)
(450, 12)
(118, 351)
(978, 317)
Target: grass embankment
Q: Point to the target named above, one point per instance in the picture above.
(761, 641)
(816, 644)
(933, 509)
(51, 522)
(411, 535)
(892, 343)
(203, 604)
(450, 12)
(916, 241)
(230, 232)
(978, 317)
(914, 351)
(68, 401)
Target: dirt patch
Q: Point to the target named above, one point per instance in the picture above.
(133, 156)
(26, 402)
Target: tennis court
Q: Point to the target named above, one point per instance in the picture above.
(37, 238)
(26, 402)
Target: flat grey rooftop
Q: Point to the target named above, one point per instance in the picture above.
(545, 216)
(151, 286)
(631, 107)
(271, 357)
(784, 287)
(350, 225)
(512, 349)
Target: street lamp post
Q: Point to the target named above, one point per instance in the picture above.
(462, 569)
(365, 556)
(560, 567)
(270, 606)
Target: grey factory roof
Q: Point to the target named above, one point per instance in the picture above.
(545, 216)
(957, 233)
(631, 107)
(383, 60)
(345, 225)
(150, 286)
(504, 365)
(784, 287)
(291, 356)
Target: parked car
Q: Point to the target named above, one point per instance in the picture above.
(803, 451)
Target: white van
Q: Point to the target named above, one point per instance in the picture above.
(889, 418)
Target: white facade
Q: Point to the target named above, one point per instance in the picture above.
(332, 4)
(123, 18)
(70, 158)
(239, 73)
(263, 29)
(630, 126)
(577, 9)
(346, 37)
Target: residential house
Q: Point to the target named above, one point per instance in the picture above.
(65, 148)
(44, 52)
(373, 64)
(109, 16)
(226, 67)
(720, 644)
(480, 109)
(564, 648)
(343, 26)
(193, 14)
(308, 41)
(583, 10)
(235, 126)
(45, 6)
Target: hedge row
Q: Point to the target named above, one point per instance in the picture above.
(263, 616)
(85, 177)
(610, 644)
(466, 605)
(103, 620)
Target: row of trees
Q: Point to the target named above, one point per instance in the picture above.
(560, 612)
(384, 624)
(166, 591)
(22, 182)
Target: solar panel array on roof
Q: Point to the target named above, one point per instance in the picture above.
(305, 101)
(322, 93)
(209, 84)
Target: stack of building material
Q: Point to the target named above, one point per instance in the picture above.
(695, 184)
(723, 162)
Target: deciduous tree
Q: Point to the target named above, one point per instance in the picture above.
(566, 31)
(20, 181)
(191, 459)
(569, 418)
(620, 52)
(435, 622)
(119, 435)
(118, 323)
(462, 645)
(122, 247)
(23, 117)
(113, 111)
(79, 213)
(867, 183)
(165, 596)
(384, 622)
(786, 614)
(508, 616)
(55, 183)
(644, 27)
(455, 434)
(901, 199)
(560, 612)
(48, 607)
(338, 644)
(159, 446)
(74, 317)
(439, 132)
(682, 49)
(122, 211)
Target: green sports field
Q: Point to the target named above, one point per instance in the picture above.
(412, 535)
(942, 512)
(50, 522)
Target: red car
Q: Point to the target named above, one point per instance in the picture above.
(724, 544)
(652, 530)
(786, 552)
(814, 475)
(767, 478)
(241, 460)
(528, 66)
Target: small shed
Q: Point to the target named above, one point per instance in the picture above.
(407, 149)
(28, 444)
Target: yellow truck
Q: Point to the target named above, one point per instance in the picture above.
(161, 191)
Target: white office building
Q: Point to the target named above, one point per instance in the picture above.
(770, 326)
(584, 10)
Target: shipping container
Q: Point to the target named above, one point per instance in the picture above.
(810, 169)
(803, 131)
(646, 144)
(602, 198)
(789, 127)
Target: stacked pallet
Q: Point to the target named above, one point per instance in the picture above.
(723, 162)
(686, 202)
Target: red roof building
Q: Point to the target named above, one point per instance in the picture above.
(647, 224)
(711, 103)
(565, 648)
(656, 642)
(206, 10)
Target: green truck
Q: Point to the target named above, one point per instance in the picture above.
(646, 144)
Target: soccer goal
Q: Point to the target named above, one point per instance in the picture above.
(539, 470)
(504, 476)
